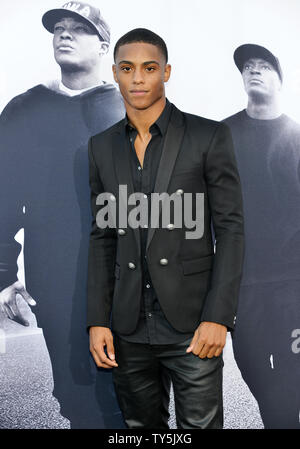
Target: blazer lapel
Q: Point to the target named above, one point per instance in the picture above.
(171, 147)
(124, 176)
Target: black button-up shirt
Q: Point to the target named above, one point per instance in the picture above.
(152, 327)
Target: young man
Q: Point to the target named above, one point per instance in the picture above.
(44, 188)
(171, 298)
(267, 145)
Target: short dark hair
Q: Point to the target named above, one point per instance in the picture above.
(142, 35)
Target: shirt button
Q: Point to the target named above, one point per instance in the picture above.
(139, 167)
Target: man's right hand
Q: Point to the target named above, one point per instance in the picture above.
(99, 338)
(8, 302)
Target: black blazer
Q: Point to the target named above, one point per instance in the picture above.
(193, 283)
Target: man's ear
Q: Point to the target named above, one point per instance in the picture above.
(167, 72)
(114, 70)
(104, 46)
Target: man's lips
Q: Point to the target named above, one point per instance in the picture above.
(255, 80)
(65, 48)
(138, 92)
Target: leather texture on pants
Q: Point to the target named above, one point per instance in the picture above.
(142, 382)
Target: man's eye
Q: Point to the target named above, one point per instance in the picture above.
(266, 67)
(150, 69)
(81, 29)
(125, 69)
(58, 29)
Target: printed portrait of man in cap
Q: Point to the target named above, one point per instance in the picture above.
(44, 189)
(267, 145)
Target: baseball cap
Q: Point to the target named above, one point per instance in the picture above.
(85, 11)
(247, 51)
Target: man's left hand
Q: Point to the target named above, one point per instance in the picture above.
(209, 340)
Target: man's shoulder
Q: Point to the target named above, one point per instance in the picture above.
(292, 125)
(19, 100)
(193, 122)
(200, 124)
(109, 132)
(235, 118)
(284, 124)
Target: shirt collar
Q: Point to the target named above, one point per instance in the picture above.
(161, 123)
(73, 92)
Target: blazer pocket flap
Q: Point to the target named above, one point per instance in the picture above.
(197, 265)
(117, 271)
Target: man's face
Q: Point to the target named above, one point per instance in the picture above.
(260, 78)
(76, 45)
(141, 71)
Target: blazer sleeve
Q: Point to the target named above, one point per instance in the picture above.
(225, 203)
(101, 259)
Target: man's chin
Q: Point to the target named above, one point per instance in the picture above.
(141, 107)
(142, 104)
(68, 63)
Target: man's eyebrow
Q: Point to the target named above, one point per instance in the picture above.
(76, 22)
(151, 62)
(144, 63)
(260, 61)
(124, 62)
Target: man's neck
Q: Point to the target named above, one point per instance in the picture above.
(142, 119)
(268, 110)
(81, 80)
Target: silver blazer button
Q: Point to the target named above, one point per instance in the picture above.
(121, 232)
(170, 227)
(131, 265)
(164, 261)
(179, 192)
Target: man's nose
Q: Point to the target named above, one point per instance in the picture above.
(66, 34)
(138, 77)
(255, 70)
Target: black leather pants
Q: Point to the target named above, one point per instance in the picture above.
(143, 378)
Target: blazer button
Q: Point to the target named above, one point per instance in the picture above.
(164, 261)
(121, 232)
(179, 192)
(112, 198)
(170, 227)
(131, 265)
